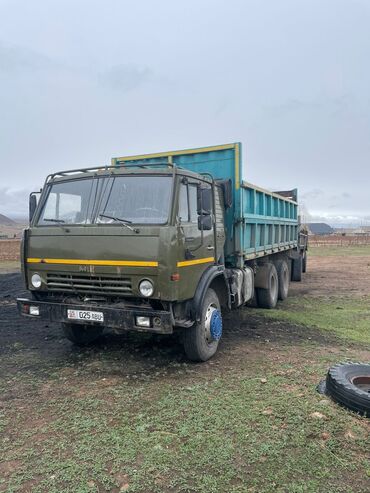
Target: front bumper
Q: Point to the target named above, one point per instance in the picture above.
(117, 318)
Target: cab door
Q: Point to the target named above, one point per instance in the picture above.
(196, 254)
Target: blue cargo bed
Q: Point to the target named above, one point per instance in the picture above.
(259, 222)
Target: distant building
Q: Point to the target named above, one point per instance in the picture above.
(319, 229)
(361, 232)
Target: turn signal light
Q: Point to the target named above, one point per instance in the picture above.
(26, 309)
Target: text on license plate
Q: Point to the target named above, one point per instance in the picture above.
(85, 315)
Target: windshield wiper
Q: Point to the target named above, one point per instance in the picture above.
(124, 222)
(60, 221)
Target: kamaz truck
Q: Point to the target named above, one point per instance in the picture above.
(161, 243)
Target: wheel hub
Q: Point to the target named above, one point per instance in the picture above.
(213, 324)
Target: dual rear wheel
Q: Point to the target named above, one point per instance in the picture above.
(278, 278)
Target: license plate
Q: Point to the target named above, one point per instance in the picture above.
(85, 315)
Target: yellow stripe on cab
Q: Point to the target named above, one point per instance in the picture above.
(67, 261)
(197, 261)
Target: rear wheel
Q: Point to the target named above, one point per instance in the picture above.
(283, 273)
(201, 340)
(81, 334)
(304, 262)
(297, 266)
(267, 297)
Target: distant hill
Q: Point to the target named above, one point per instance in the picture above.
(6, 221)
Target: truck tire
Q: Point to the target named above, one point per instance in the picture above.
(201, 340)
(304, 262)
(81, 335)
(349, 385)
(283, 273)
(267, 298)
(297, 269)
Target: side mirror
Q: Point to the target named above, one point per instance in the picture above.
(204, 200)
(205, 222)
(33, 201)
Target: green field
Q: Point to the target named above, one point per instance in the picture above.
(348, 317)
(327, 251)
(228, 433)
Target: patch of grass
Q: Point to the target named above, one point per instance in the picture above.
(332, 251)
(348, 318)
(214, 434)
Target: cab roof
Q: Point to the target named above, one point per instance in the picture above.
(137, 169)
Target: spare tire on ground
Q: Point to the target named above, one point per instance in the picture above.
(349, 385)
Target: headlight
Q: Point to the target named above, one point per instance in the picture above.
(36, 281)
(146, 288)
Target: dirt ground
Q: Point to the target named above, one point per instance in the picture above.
(336, 275)
(38, 365)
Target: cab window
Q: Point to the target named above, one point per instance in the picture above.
(193, 213)
(188, 203)
(183, 204)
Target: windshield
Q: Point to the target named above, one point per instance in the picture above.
(108, 200)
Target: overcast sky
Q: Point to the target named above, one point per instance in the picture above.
(84, 80)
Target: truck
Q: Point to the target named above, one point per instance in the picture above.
(161, 243)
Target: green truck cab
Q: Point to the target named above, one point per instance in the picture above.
(160, 243)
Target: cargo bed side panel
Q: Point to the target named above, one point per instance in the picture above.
(269, 223)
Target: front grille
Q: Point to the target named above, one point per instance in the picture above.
(78, 283)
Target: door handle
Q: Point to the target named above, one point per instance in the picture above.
(210, 247)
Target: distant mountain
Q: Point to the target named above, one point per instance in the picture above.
(6, 221)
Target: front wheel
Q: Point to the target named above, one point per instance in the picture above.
(81, 334)
(201, 340)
